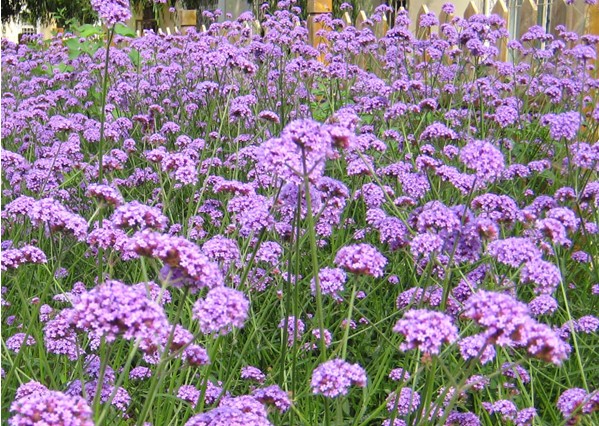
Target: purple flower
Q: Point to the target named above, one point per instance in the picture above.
(222, 249)
(13, 258)
(221, 310)
(331, 281)
(51, 408)
(334, 377)
(485, 158)
(240, 411)
(114, 309)
(112, 11)
(526, 416)
(136, 215)
(507, 323)
(405, 403)
(140, 373)
(189, 393)
(514, 251)
(295, 329)
(302, 149)
(544, 275)
(105, 193)
(543, 305)
(253, 373)
(564, 125)
(399, 374)
(60, 337)
(426, 330)
(56, 217)
(273, 395)
(361, 259)
(506, 409)
(476, 346)
(15, 341)
(188, 265)
(572, 400)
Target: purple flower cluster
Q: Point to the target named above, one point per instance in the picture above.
(426, 330)
(507, 323)
(221, 310)
(334, 377)
(13, 258)
(238, 411)
(114, 309)
(362, 259)
(188, 266)
(38, 405)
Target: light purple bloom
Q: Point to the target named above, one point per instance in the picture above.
(333, 378)
(426, 330)
(221, 310)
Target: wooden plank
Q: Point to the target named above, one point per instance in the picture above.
(189, 18)
(319, 6)
(593, 28)
(471, 10)
(361, 20)
(501, 10)
(346, 18)
(559, 15)
(527, 17)
(381, 27)
(423, 33)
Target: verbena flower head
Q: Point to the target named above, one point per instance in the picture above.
(274, 396)
(239, 411)
(577, 399)
(426, 330)
(507, 323)
(405, 403)
(302, 149)
(221, 310)
(331, 281)
(114, 309)
(514, 251)
(50, 408)
(334, 377)
(361, 259)
(112, 11)
(189, 267)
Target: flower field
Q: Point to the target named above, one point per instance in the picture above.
(236, 228)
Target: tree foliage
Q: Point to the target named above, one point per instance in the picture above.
(62, 11)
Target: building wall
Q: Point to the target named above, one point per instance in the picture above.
(12, 29)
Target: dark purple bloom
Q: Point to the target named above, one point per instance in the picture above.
(405, 403)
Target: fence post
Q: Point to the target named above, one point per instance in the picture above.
(471, 10)
(527, 17)
(593, 28)
(381, 27)
(500, 9)
(423, 33)
(315, 9)
(189, 19)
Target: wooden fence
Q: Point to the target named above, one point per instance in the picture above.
(578, 17)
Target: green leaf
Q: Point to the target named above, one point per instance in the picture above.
(89, 30)
(124, 30)
(135, 57)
